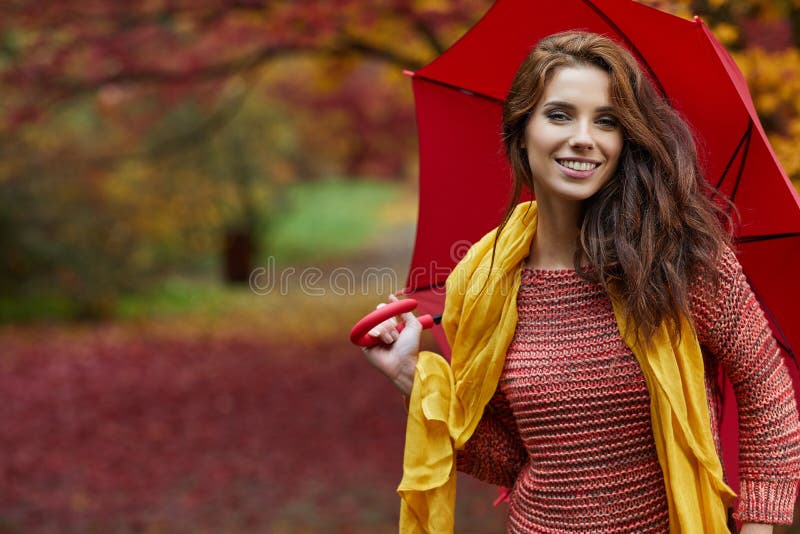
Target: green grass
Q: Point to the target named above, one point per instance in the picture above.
(328, 218)
(177, 295)
(19, 309)
(322, 221)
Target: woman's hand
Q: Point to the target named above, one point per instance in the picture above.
(397, 356)
(755, 528)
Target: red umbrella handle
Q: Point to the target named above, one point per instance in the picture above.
(359, 335)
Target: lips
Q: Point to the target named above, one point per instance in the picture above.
(577, 169)
(578, 165)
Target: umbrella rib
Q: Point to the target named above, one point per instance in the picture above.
(469, 92)
(745, 139)
(767, 237)
(630, 45)
(747, 135)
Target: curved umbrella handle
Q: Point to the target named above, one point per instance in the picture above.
(359, 335)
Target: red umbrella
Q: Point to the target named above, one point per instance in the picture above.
(465, 181)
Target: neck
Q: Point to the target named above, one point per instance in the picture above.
(554, 244)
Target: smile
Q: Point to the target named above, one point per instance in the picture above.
(577, 165)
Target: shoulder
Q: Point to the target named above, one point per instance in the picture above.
(493, 244)
(728, 264)
(727, 271)
(712, 294)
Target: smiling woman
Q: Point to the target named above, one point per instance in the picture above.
(573, 142)
(652, 228)
(588, 328)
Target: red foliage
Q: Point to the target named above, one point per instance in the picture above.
(106, 430)
(70, 47)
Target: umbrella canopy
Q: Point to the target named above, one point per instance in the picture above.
(465, 181)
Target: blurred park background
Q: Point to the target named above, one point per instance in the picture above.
(156, 154)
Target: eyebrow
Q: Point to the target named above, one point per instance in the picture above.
(560, 104)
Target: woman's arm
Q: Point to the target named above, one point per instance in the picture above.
(731, 324)
(495, 452)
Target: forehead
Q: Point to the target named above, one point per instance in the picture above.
(579, 84)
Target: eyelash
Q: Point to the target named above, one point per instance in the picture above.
(611, 122)
(557, 115)
(605, 121)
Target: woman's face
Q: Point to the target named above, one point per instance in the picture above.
(573, 139)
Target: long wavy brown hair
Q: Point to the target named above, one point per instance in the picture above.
(651, 231)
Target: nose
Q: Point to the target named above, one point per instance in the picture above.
(581, 138)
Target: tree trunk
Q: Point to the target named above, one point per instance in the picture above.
(239, 252)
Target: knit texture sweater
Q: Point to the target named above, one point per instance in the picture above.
(569, 429)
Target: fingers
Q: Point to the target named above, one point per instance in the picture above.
(396, 357)
(388, 334)
(411, 322)
(409, 318)
(386, 331)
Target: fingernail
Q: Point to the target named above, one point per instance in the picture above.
(373, 332)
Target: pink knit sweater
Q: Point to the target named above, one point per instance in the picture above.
(569, 427)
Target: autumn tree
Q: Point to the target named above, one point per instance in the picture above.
(174, 124)
(763, 37)
(184, 117)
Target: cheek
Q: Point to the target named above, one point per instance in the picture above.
(619, 142)
(613, 147)
(527, 141)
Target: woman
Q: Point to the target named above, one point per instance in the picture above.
(577, 377)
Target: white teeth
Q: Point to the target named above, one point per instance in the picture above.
(577, 165)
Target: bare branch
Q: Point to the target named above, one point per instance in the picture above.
(353, 44)
(347, 45)
(212, 72)
(430, 36)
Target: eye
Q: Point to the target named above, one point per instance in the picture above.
(558, 116)
(607, 121)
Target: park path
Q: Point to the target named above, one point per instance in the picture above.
(182, 425)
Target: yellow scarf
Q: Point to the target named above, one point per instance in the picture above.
(447, 401)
